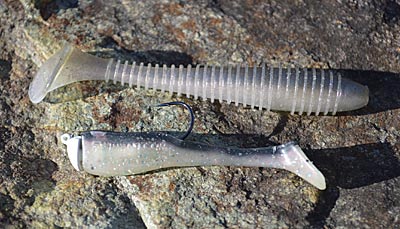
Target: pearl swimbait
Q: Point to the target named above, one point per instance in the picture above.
(295, 90)
(114, 154)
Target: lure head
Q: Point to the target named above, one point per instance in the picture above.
(44, 78)
(74, 149)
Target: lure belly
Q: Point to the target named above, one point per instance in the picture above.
(292, 89)
(113, 154)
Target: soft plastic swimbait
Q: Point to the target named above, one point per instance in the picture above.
(295, 90)
(113, 154)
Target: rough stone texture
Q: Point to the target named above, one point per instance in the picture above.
(358, 151)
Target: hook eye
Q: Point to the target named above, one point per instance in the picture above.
(180, 103)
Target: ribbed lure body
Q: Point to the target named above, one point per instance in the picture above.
(292, 89)
(111, 154)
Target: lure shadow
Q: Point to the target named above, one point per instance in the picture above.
(344, 168)
(357, 166)
(150, 56)
(348, 168)
(383, 88)
(91, 88)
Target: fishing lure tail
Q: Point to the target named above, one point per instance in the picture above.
(294, 160)
(112, 154)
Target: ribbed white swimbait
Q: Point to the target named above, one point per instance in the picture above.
(292, 89)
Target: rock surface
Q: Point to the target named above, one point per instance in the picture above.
(358, 152)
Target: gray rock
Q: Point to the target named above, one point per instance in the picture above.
(358, 151)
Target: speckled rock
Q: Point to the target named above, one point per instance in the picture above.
(358, 151)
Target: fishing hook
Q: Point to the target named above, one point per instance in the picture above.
(180, 103)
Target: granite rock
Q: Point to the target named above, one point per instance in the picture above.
(358, 151)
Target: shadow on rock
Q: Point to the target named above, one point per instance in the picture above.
(348, 168)
(343, 168)
(87, 89)
(6, 207)
(150, 56)
(24, 177)
(383, 88)
(129, 218)
(49, 8)
(358, 166)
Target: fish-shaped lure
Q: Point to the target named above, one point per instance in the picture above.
(112, 154)
(285, 89)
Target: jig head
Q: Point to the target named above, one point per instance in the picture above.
(295, 90)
